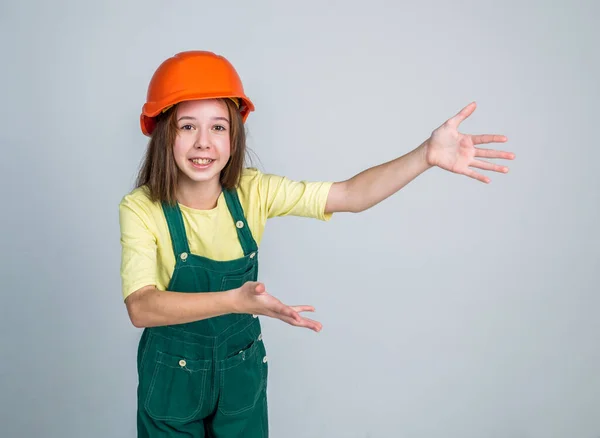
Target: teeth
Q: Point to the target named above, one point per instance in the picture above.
(202, 161)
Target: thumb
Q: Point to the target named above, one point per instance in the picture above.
(259, 288)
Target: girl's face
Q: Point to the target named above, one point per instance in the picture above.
(202, 146)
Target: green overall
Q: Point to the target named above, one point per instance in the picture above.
(206, 378)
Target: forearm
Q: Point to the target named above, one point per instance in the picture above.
(151, 307)
(375, 184)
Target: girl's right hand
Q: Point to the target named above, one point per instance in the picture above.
(253, 298)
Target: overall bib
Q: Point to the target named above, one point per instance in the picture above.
(206, 378)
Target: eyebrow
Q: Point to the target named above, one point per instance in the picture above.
(193, 118)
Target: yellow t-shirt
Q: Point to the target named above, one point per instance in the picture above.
(147, 256)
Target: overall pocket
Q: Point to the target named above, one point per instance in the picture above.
(177, 390)
(244, 382)
(237, 280)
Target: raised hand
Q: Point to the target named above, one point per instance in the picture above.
(253, 298)
(457, 152)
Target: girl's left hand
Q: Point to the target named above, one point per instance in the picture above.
(456, 152)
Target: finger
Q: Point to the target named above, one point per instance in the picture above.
(287, 311)
(303, 308)
(472, 174)
(488, 138)
(292, 311)
(304, 322)
(291, 317)
(315, 324)
(462, 114)
(489, 166)
(287, 315)
(275, 308)
(492, 153)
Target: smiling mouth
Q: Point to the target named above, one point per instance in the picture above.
(202, 161)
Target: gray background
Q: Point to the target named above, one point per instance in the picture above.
(452, 309)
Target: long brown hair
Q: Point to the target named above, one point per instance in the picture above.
(159, 170)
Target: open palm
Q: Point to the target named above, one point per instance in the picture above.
(253, 298)
(456, 152)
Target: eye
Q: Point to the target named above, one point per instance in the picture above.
(187, 127)
(219, 128)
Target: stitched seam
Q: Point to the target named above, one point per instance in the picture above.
(231, 277)
(146, 348)
(183, 236)
(233, 334)
(251, 406)
(170, 417)
(188, 362)
(225, 271)
(250, 353)
(216, 379)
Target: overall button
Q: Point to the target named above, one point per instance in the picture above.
(260, 337)
(184, 255)
(182, 363)
(239, 224)
(265, 359)
(252, 255)
(254, 316)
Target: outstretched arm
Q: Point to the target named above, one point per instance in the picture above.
(150, 307)
(445, 148)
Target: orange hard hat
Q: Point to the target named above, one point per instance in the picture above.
(189, 76)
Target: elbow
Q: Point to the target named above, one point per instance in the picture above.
(137, 320)
(136, 309)
(343, 197)
(355, 208)
(136, 315)
(354, 205)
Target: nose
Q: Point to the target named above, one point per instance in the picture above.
(202, 140)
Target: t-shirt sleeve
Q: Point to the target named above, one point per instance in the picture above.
(138, 247)
(282, 196)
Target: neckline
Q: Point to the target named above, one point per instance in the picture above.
(208, 212)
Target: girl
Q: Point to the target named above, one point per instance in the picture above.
(190, 232)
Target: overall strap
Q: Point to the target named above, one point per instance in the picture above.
(176, 228)
(237, 212)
